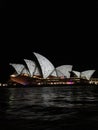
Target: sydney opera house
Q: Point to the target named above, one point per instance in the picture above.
(42, 72)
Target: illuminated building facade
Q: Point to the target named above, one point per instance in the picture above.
(87, 74)
(43, 72)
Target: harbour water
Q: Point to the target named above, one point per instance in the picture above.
(49, 108)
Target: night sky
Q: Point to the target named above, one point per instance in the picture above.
(64, 39)
(2, 3)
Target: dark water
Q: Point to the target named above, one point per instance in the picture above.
(49, 108)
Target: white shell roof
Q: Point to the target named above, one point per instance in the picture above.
(18, 67)
(54, 73)
(65, 69)
(84, 74)
(77, 73)
(37, 71)
(31, 66)
(25, 71)
(46, 66)
(87, 74)
(59, 74)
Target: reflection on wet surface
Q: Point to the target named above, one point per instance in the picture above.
(49, 107)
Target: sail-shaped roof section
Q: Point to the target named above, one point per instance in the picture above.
(25, 71)
(18, 67)
(59, 74)
(31, 66)
(87, 74)
(77, 73)
(65, 69)
(54, 73)
(37, 71)
(46, 66)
